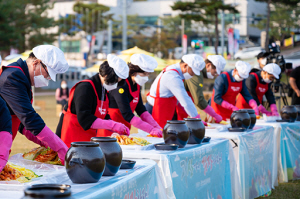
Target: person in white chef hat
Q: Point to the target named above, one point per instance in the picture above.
(127, 99)
(214, 65)
(86, 114)
(168, 98)
(259, 85)
(226, 88)
(16, 80)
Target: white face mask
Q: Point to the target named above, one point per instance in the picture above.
(63, 86)
(263, 61)
(40, 80)
(141, 80)
(187, 75)
(267, 80)
(209, 75)
(110, 87)
(238, 78)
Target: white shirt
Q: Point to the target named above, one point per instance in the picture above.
(171, 84)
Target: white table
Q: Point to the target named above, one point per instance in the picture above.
(255, 152)
(142, 181)
(288, 148)
(195, 171)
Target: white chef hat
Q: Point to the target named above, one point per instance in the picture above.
(119, 65)
(196, 62)
(273, 69)
(243, 69)
(145, 62)
(218, 61)
(53, 58)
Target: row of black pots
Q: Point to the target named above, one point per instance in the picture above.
(290, 113)
(189, 131)
(86, 162)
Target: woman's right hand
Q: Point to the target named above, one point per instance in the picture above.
(121, 129)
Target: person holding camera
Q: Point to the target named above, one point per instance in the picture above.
(262, 61)
(295, 84)
(258, 85)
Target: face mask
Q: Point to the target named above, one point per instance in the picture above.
(63, 86)
(110, 87)
(40, 80)
(187, 75)
(267, 80)
(141, 80)
(264, 61)
(237, 78)
(209, 75)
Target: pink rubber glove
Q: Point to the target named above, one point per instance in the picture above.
(253, 105)
(54, 142)
(147, 117)
(210, 111)
(227, 105)
(198, 116)
(140, 124)
(274, 110)
(156, 132)
(111, 125)
(32, 138)
(262, 109)
(5, 145)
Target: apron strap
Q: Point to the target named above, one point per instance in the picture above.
(256, 76)
(130, 90)
(158, 83)
(73, 90)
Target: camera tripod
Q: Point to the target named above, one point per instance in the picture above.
(279, 87)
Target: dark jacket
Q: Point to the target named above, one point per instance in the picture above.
(15, 89)
(221, 87)
(122, 101)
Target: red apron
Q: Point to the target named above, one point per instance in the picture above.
(14, 119)
(164, 107)
(115, 113)
(261, 89)
(71, 130)
(234, 88)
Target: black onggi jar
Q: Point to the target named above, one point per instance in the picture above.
(84, 162)
(176, 132)
(240, 119)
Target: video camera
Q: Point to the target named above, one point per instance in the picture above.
(275, 57)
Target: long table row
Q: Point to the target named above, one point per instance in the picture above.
(232, 165)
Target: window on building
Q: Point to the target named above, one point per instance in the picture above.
(70, 46)
(150, 20)
(231, 18)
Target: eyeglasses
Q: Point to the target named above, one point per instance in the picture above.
(48, 78)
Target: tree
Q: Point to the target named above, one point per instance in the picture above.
(269, 2)
(205, 11)
(23, 24)
(134, 26)
(281, 25)
(88, 18)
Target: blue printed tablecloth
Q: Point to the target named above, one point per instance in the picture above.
(140, 182)
(288, 149)
(196, 171)
(256, 159)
